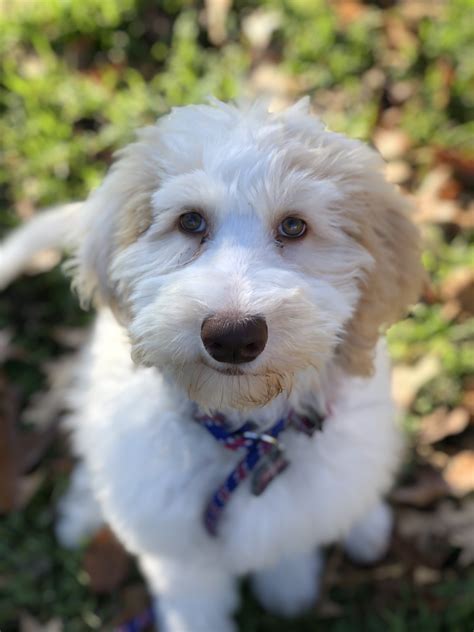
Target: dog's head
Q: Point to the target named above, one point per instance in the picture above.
(240, 247)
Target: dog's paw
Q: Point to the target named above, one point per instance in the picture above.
(369, 539)
(290, 587)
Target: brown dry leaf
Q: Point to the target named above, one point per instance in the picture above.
(258, 27)
(428, 541)
(8, 448)
(27, 488)
(391, 143)
(449, 525)
(216, 19)
(459, 524)
(106, 562)
(431, 208)
(73, 337)
(399, 35)
(459, 286)
(425, 575)
(468, 400)
(464, 217)
(328, 609)
(415, 10)
(451, 190)
(428, 487)
(33, 445)
(46, 406)
(400, 91)
(435, 458)
(398, 171)
(407, 380)
(19, 453)
(459, 473)
(349, 10)
(270, 80)
(461, 162)
(451, 310)
(441, 424)
(30, 624)
(5, 342)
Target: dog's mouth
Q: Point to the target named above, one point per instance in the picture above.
(224, 370)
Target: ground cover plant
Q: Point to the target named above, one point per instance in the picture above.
(76, 78)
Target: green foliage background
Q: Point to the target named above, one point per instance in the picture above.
(78, 76)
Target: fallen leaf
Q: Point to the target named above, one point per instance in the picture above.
(428, 487)
(105, 561)
(33, 445)
(458, 522)
(259, 26)
(430, 206)
(449, 525)
(401, 91)
(30, 624)
(450, 190)
(423, 575)
(270, 80)
(329, 609)
(8, 448)
(73, 337)
(407, 380)
(436, 458)
(27, 487)
(391, 143)
(349, 10)
(216, 19)
(459, 473)
(415, 10)
(451, 310)
(459, 286)
(441, 424)
(46, 406)
(398, 33)
(468, 400)
(398, 171)
(5, 343)
(461, 162)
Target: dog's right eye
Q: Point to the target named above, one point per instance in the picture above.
(192, 222)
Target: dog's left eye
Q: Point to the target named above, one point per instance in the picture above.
(292, 227)
(192, 222)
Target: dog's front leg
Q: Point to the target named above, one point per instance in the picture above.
(369, 539)
(189, 597)
(291, 586)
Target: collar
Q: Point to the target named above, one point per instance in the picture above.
(264, 455)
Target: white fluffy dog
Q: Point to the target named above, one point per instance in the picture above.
(244, 263)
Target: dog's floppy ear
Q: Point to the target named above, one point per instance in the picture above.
(115, 215)
(394, 280)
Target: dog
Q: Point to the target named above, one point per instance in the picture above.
(232, 411)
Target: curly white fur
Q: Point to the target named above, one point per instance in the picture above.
(147, 467)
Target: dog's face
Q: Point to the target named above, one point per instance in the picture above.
(240, 248)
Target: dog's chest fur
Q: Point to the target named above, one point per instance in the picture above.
(153, 467)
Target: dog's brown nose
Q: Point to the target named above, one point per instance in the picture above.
(234, 341)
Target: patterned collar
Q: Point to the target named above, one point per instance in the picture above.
(264, 456)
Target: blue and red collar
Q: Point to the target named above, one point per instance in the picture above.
(264, 455)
